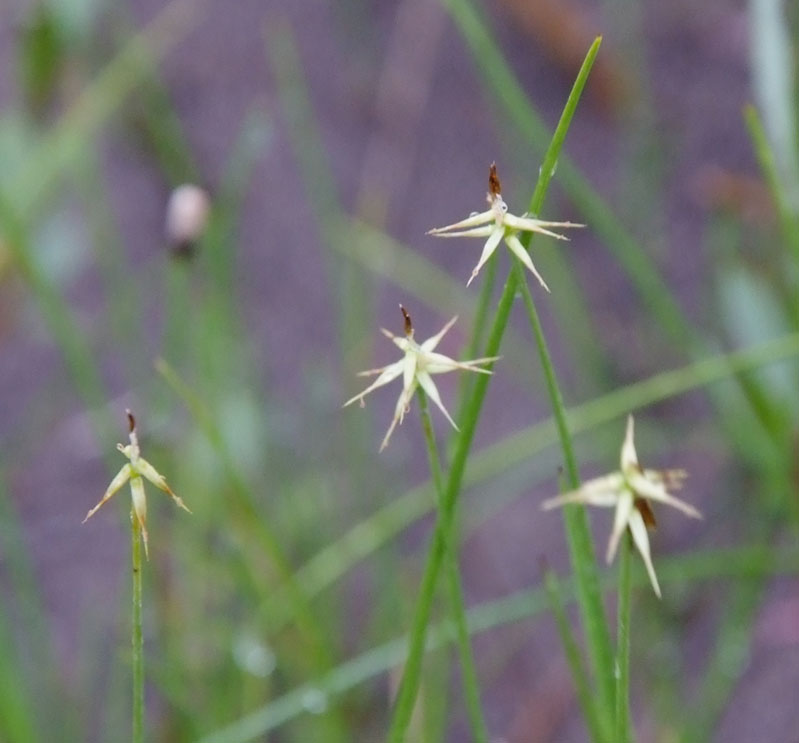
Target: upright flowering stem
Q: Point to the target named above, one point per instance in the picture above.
(471, 685)
(136, 636)
(480, 320)
(134, 472)
(468, 424)
(443, 534)
(622, 669)
(578, 535)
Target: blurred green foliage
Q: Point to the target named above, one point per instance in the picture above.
(250, 621)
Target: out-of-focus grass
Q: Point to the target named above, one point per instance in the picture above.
(742, 563)
(227, 584)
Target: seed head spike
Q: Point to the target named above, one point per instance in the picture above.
(494, 186)
(408, 323)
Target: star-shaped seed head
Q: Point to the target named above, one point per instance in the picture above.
(416, 367)
(497, 224)
(134, 470)
(631, 491)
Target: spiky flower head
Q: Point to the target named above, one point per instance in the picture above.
(498, 223)
(631, 491)
(134, 470)
(416, 367)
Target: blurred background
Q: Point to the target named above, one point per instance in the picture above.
(329, 137)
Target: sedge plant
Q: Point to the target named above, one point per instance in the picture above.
(631, 491)
(135, 471)
(623, 534)
(419, 362)
(582, 549)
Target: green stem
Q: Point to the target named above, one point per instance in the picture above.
(622, 670)
(788, 218)
(578, 535)
(136, 634)
(471, 685)
(472, 351)
(551, 379)
(409, 687)
(585, 694)
(481, 311)
(412, 676)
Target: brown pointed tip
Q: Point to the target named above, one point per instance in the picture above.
(647, 514)
(408, 323)
(494, 186)
(131, 420)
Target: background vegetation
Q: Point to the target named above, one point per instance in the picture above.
(330, 139)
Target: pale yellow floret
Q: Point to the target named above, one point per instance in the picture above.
(626, 490)
(497, 224)
(420, 361)
(133, 471)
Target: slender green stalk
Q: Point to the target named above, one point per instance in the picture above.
(446, 517)
(479, 321)
(789, 220)
(20, 716)
(457, 604)
(578, 535)
(137, 644)
(481, 313)
(412, 676)
(582, 685)
(622, 670)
